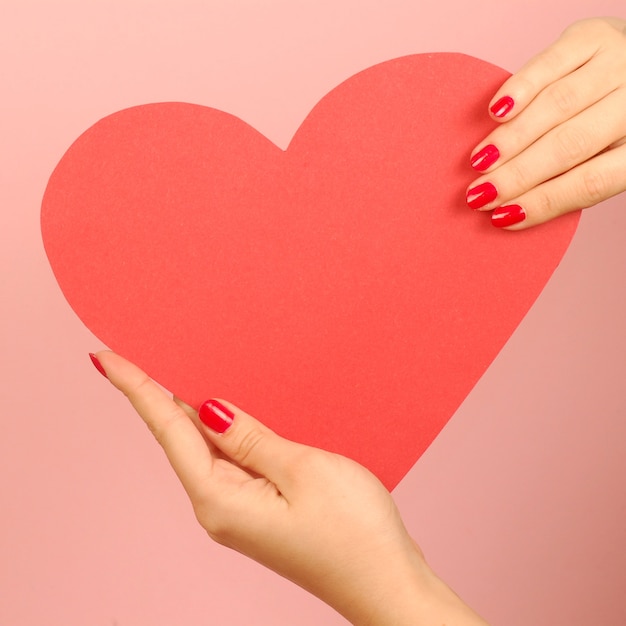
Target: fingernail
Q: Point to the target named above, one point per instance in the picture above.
(502, 106)
(216, 416)
(508, 215)
(485, 158)
(481, 195)
(97, 364)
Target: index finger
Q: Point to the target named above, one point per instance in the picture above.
(184, 445)
(574, 48)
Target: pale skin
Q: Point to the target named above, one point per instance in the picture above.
(319, 519)
(562, 145)
(316, 518)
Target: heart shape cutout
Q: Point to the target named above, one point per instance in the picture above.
(339, 290)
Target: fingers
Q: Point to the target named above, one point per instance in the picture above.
(559, 148)
(234, 505)
(555, 105)
(250, 444)
(584, 66)
(189, 438)
(579, 188)
(576, 46)
(183, 444)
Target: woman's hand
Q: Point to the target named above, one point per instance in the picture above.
(316, 518)
(562, 142)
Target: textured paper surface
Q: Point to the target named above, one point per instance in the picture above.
(340, 290)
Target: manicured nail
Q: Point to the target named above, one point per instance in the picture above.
(216, 416)
(97, 364)
(502, 106)
(481, 195)
(484, 159)
(508, 215)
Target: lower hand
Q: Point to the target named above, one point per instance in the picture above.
(316, 518)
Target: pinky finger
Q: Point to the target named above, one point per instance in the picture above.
(596, 180)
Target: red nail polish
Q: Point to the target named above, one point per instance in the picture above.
(502, 107)
(481, 195)
(97, 364)
(508, 215)
(484, 159)
(216, 416)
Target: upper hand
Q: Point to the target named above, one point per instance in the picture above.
(561, 144)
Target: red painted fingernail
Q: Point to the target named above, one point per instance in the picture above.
(481, 195)
(484, 159)
(216, 416)
(97, 364)
(502, 107)
(508, 215)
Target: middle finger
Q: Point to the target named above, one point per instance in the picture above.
(561, 149)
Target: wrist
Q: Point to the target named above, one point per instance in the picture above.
(439, 604)
(407, 593)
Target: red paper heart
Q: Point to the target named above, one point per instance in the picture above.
(340, 290)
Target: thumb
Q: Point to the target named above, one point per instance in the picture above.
(248, 442)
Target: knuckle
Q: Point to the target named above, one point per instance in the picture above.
(163, 430)
(593, 187)
(137, 389)
(577, 26)
(545, 206)
(552, 59)
(246, 445)
(586, 27)
(564, 99)
(573, 146)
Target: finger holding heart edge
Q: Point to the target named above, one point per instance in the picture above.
(179, 429)
(171, 426)
(588, 184)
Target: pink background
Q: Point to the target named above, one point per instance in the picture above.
(520, 503)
